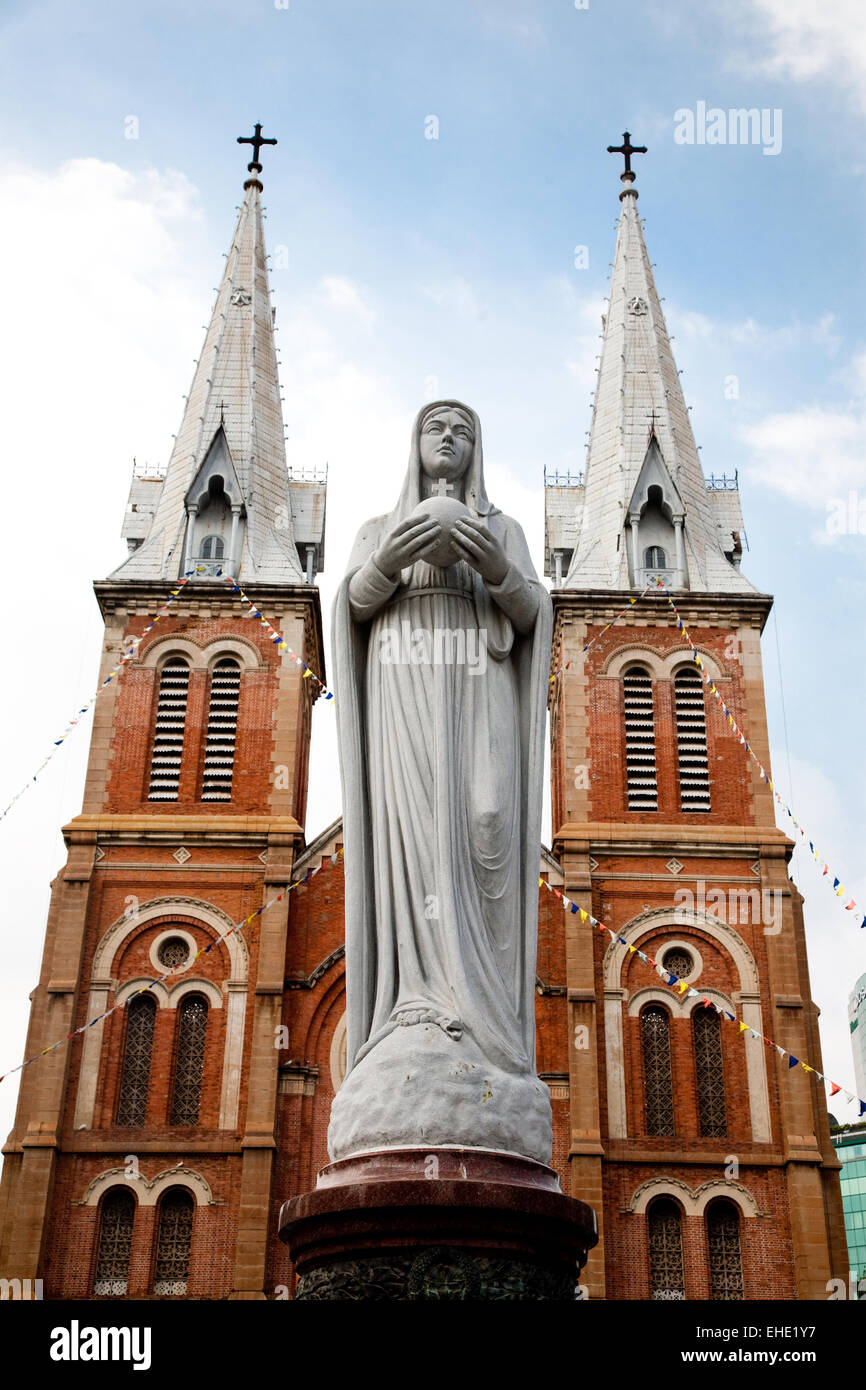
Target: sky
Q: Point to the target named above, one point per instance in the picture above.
(408, 268)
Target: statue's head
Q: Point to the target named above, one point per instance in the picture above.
(446, 442)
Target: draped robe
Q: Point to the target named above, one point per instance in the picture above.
(442, 770)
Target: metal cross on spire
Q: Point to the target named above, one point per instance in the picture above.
(256, 140)
(627, 149)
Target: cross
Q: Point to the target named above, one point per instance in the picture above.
(441, 489)
(628, 149)
(256, 140)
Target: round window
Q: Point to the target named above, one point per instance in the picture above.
(678, 962)
(173, 951)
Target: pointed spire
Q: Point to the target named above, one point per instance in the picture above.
(233, 405)
(642, 461)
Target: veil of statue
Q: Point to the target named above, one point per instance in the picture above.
(442, 637)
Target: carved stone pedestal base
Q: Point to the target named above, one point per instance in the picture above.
(457, 1224)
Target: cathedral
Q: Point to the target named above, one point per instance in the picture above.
(197, 927)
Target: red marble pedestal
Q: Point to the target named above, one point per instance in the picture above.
(450, 1223)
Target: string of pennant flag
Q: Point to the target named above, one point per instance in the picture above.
(128, 653)
(838, 888)
(184, 965)
(276, 637)
(599, 635)
(682, 988)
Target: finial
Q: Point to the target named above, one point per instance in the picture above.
(256, 140)
(627, 149)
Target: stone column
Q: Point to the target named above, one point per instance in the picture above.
(634, 522)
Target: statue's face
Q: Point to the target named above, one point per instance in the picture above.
(447, 440)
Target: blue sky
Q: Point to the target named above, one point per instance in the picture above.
(418, 267)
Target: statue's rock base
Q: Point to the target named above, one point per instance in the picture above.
(419, 1086)
(450, 1223)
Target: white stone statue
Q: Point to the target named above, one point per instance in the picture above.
(442, 636)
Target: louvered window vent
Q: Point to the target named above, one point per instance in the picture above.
(692, 742)
(640, 750)
(222, 728)
(167, 753)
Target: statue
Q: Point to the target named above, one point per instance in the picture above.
(441, 641)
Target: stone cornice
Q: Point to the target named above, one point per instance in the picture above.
(168, 829)
(615, 837)
(597, 604)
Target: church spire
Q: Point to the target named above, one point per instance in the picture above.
(646, 506)
(226, 497)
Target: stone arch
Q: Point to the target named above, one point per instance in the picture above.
(148, 1190)
(102, 983)
(661, 666)
(746, 1001)
(337, 1059)
(205, 914)
(161, 647)
(231, 644)
(131, 987)
(680, 1005)
(694, 1201)
(196, 986)
(677, 918)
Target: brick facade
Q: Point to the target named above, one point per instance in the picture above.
(289, 971)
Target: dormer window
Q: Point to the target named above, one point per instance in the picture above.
(215, 510)
(212, 548)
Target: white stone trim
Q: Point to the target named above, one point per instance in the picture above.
(166, 936)
(206, 913)
(678, 1005)
(161, 648)
(131, 987)
(748, 997)
(195, 986)
(148, 1190)
(617, 1113)
(694, 1201)
(337, 1059)
(102, 982)
(247, 652)
(662, 668)
(230, 1094)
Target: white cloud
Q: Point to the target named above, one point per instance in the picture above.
(809, 40)
(342, 294)
(457, 297)
(812, 455)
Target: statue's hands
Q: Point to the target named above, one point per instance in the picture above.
(406, 544)
(480, 549)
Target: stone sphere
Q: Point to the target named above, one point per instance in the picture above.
(445, 510)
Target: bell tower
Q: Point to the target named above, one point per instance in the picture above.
(141, 1159)
(708, 1161)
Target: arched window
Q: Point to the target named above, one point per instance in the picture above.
(655, 558)
(666, 1250)
(692, 741)
(212, 548)
(168, 734)
(171, 1272)
(658, 1086)
(137, 1050)
(189, 1060)
(640, 746)
(712, 1114)
(723, 1238)
(116, 1218)
(222, 728)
